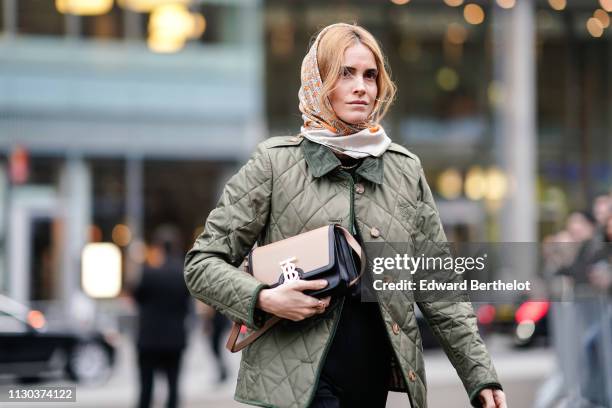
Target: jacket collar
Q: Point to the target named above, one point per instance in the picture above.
(321, 160)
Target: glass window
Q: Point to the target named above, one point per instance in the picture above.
(106, 26)
(573, 91)
(213, 15)
(39, 17)
(1, 16)
(108, 185)
(44, 170)
(168, 202)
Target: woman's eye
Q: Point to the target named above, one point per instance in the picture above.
(371, 75)
(346, 73)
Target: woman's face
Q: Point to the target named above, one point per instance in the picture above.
(355, 92)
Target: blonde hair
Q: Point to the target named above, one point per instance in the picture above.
(330, 55)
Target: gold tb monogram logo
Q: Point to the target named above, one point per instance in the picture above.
(289, 271)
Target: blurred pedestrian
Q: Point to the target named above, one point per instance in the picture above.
(559, 253)
(580, 257)
(593, 233)
(588, 268)
(581, 226)
(163, 305)
(600, 275)
(602, 209)
(597, 340)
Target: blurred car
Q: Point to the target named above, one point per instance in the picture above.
(30, 350)
(531, 326)
(526, 321)
(495, 317)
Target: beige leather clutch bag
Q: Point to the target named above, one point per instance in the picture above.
(328, 252)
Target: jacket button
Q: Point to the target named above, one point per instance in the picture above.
(374, 232)
(412, 376)
(359, 188)
(396, 328)
(387, 279)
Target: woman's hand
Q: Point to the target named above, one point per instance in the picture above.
(288, 301)
(492, 398)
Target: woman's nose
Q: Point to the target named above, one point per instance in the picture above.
(359, 87)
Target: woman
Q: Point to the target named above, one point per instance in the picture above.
(342, 169)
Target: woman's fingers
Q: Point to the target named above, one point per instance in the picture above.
(310, 301)
(500, 399)
(302, 314)
(299, 306)
(303, 285)
(311, 309)
(486, 398)
(323, 303)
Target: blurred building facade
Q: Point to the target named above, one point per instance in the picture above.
(106, 133)
(104, 139)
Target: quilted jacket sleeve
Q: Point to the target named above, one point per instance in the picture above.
(211, 266)
(453, 322)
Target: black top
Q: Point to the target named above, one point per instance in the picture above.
(358, 362)
(163, 303)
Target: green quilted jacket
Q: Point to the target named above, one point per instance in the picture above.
(289, 186)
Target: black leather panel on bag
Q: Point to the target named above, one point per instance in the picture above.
(342, 272)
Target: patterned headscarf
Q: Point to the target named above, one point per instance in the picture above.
(310, 91)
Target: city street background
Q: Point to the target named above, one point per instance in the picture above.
(199, 389)
(121, 120)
